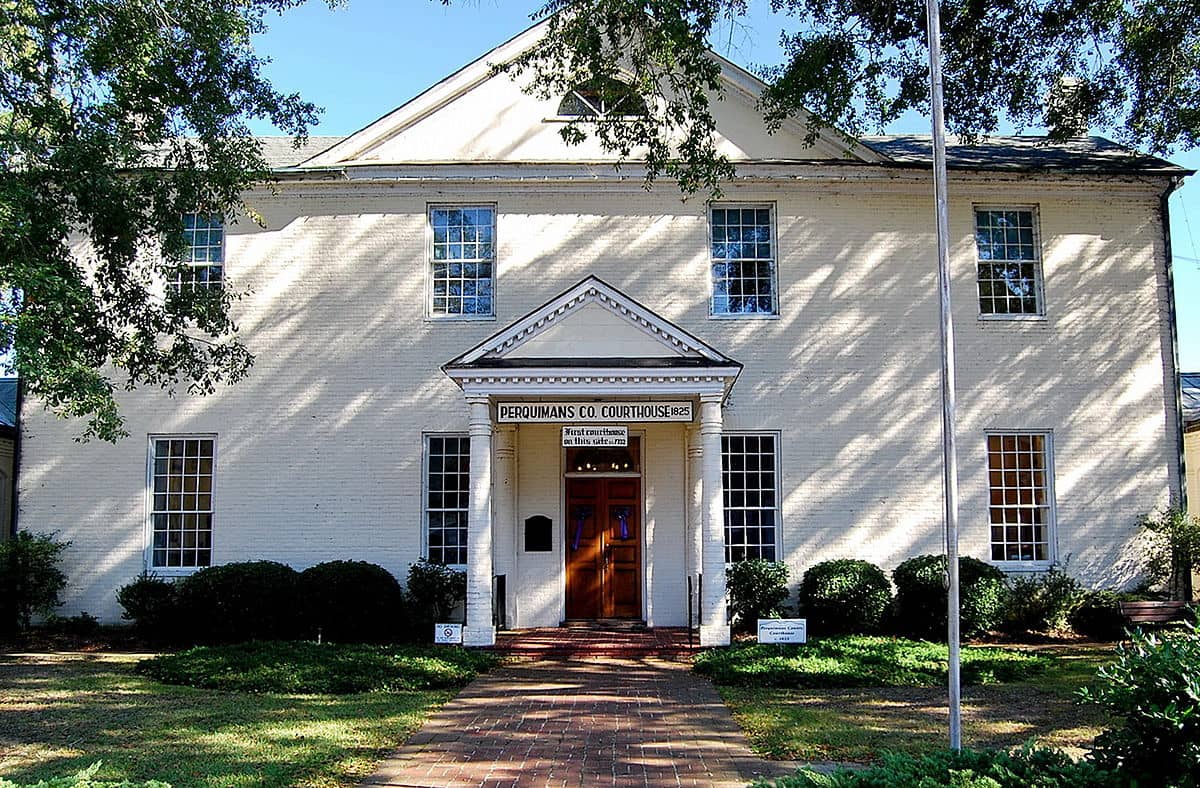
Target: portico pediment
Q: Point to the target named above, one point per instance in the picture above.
(589, 339)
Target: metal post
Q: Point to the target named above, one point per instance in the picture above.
(949, 458)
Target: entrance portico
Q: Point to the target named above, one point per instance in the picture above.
(594, 356)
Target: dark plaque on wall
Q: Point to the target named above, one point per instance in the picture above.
(539, 536)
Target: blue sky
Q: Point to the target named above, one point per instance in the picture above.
(362, 60)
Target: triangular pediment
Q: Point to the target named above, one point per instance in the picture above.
(476, 115)
(591, 324)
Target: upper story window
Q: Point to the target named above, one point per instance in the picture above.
(1020, 505)
(602, 98)
(463, 260)
(1010, 264)
(203, 263)
(743, 260)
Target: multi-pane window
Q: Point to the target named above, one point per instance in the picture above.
(447, 487)
(464, 260)
(1009, 265)
(602, 98)
(1019, 508)
(181, 507)
(748, 469)
(203, 262)
(743, 260)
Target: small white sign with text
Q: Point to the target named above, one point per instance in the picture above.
(447, 633)
(783, 630)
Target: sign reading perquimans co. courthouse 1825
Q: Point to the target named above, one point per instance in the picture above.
(591, 412)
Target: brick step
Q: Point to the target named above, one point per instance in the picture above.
(568, 642)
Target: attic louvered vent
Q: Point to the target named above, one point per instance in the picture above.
(602, 98)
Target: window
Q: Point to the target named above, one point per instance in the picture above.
(464, 260)
(447, 497)
(1020, 507)
(602, 98)
(743, 260)
(748, 471)
(204, 253)
(1010, 266)
(181, 509)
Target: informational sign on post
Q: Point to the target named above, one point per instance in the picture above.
(783, 630)
(448, 633)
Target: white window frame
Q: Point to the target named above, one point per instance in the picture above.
(429, 261)
(177, 284)
(778, 508)
(425, 436)
(148, 534)
(709, 260)
(1052, 508)
(1039, 285)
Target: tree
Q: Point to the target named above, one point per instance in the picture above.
(117, 119)
(1129, 67)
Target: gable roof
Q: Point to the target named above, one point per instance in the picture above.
(666, 345)
(1189, 384)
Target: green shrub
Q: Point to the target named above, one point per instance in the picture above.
(845, 596)
(861, 661)
(351, 602)
(1153, 690)
(435, 592)
(1097, 615)
(252, 600)
(921, 597)
(1040, 602)
(311, 668)
(1032, 766)
(82, 625)
(30, 578)
(757, 589)
(83, 779)
(151, 603)
(1172, 550)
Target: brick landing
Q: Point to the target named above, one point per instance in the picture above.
(569, 642)
(599, 721)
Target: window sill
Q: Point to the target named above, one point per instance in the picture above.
(1012, 318)
(460, 319)
(174, 571)
(1024, 566)
(746, 316)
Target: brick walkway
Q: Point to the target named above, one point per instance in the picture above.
(600, 721)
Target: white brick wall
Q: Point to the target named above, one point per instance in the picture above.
(319, 449)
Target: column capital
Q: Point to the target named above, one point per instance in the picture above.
(712, 396)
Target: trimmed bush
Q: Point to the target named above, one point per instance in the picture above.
(351, 602)
(757, 589)
(251, 600)
(83, 779)
(310, 668)
(1040, 602)
(1032, 766)
(846, 596)
(152, 604)
(861, 661)
(1098, 615)
(921, 597)
(435, 592)
(1153, 688)
(30, 578)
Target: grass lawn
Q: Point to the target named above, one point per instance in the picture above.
(61, 712)
(858, 724)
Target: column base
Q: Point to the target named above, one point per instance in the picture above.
(714, 635)
(479, 636)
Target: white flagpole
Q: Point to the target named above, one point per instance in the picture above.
(949, 459)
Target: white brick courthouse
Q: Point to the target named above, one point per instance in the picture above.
(478, 344)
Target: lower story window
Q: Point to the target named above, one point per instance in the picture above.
(751, 481)
(447, 495)
(1019, 506)
(181, 509)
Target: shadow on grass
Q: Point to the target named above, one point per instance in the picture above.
(61, 713)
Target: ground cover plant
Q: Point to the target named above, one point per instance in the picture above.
(304, 667)
(61, 713)
(859, 725)
(861, 661)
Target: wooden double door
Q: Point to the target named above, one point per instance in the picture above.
(604, 548)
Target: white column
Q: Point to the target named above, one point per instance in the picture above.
(714, 627)
(695, 508)
(479, 630)
(504, 511)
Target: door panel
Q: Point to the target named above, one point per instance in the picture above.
(604, 556)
